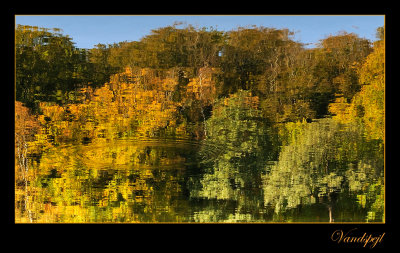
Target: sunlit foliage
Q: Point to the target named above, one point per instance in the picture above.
(193, 124)
(368, 105)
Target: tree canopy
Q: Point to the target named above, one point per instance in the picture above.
(277, 125)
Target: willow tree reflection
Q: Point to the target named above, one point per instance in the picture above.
(323, 160)
(238, 144)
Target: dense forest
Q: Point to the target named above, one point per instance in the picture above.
(252, 93)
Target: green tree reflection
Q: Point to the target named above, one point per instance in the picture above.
(325, 159)
(238, 144)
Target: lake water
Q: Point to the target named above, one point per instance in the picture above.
(183, 180)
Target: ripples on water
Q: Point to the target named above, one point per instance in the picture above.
(154, 180)
(229, 176)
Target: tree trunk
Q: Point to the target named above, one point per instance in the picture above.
(330, 214)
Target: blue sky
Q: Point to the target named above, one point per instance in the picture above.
(87, 31)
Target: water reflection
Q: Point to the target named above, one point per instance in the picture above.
(330, 164)
(121, 181)
(232, 175)
(165, 181)
(102, 161)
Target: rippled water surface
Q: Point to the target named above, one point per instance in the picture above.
(102, 161)
(178, 180)
(196, 125)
